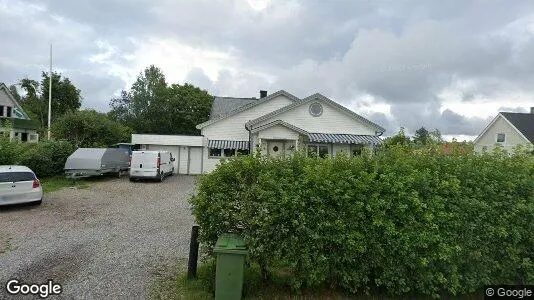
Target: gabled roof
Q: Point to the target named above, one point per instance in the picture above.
(523, 122)
(316, 137)
(316, 97)
(247, 106)
(17, 105)
(224, 105)
(281, 123)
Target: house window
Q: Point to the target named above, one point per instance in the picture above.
(242, 152)
(24, 136)
(215, 152)
(1, 110)
(33, 137)
(8, 112)
(319, 150)
(229, 152)
(356, 149)
(501, 137)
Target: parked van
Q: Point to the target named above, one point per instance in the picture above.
(151, 165)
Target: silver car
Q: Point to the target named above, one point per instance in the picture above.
(18, 184)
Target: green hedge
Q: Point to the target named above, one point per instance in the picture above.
(400, 222)
(46, 158)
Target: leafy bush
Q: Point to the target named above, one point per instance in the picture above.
(89, 128)
(402, 222)
(46, 158)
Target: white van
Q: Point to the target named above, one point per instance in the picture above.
(151, 165)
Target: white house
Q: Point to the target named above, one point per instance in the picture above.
(276, 124)
(508, 130)
(22, 128)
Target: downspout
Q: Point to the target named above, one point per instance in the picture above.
(249, 138)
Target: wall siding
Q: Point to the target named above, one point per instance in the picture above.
(233, 128)
(4, 99)
(513, 138)
(278, 132)
(331, 121)
(160, 139)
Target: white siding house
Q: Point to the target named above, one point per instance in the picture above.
(275, 124)
(281, 123)
(22, 128)
(507, 130)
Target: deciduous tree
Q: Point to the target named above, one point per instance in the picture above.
(89, 128)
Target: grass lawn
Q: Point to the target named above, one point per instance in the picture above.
(51, 184)
(178, 286)
(254, 288)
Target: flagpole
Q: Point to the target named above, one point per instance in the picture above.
(50, 93)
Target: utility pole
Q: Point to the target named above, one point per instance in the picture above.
(50, 93)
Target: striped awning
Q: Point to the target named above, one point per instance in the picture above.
(227, 144)
(344, 138)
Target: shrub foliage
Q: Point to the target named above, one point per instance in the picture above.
(46, 158)
(402, 222)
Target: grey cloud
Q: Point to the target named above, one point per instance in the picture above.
(403, 53)
(513, 109)
(197, 77)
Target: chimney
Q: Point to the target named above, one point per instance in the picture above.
(532, 110)
(263, 94)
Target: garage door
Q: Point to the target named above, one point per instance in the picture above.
(195, 160)
(184, 160)
(174, 150)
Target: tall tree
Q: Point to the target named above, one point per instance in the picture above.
(399, 139)
(151, 106)
(65, 97)
(422, 136)
(89, 128)
(435, 136)
(191, 105)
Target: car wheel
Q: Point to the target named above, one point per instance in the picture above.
(38, 202)
(161, 176)
(131, 179)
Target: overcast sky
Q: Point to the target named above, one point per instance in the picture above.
(450, 65)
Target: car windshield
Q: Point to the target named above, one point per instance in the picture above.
(16, 176)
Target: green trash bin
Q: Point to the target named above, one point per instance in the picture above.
(231, 252)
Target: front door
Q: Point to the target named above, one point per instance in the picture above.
(275, 148)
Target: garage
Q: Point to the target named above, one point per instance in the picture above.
(188, 150)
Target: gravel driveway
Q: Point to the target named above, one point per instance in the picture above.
(103, 242)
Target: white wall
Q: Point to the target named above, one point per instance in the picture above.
(278, 132)
(331, 121)
(233, 128)
(161, 139)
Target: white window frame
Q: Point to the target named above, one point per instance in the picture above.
(497, 137)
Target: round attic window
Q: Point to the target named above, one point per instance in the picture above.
(275, 148)
(316, 109)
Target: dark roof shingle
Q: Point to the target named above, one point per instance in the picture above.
(223, 106)
(524, 122)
